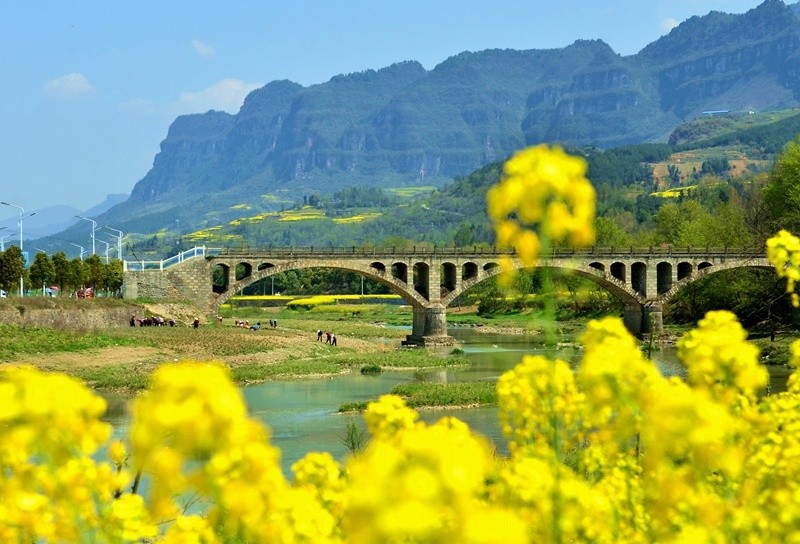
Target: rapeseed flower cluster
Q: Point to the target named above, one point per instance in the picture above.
(602, 453)
(610, 451)
(783, 250)
(544, 196)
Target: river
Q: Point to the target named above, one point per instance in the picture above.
(303, 413)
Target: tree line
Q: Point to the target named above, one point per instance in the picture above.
(58, 270)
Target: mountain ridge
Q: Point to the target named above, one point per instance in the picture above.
(403, 125)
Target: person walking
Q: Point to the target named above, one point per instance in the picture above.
(327, 338)
(319, 335)
(333, 339)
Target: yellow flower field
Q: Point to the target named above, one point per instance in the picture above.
(609, 452)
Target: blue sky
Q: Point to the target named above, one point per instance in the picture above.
(90, 88)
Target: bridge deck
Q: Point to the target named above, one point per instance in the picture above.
(484, 251)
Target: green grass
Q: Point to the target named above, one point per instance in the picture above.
(284, 369)
(18, 340)
(427, 394)
(447, 394)
(113, 377)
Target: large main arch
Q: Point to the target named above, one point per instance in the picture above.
(398, 286)
(706, 271)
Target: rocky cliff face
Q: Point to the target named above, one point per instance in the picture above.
(404, 125)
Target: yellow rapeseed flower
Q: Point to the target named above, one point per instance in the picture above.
(543, 192)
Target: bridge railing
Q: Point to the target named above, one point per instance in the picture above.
(197, 251)
(362, 251)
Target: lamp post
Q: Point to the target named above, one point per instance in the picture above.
(3, 241)
(21, 217)
(119, 241)
(94, 226)
(113, 244)
(78, 246)
(107, 247)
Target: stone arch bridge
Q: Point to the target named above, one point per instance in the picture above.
(429, 279)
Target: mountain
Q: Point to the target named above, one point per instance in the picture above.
(404, 126)
(51, 220)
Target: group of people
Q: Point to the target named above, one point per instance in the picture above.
(330, 338)
(273, 323)
(155, 321)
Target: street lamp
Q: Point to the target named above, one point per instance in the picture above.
(94, 226)
(21, 217)
(107, 247)
(113, 243)
(3, 241)
(119, 240)
(78, 246)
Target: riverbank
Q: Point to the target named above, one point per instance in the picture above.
(122, 358)
(111, 355)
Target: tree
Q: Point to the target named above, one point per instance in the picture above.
(11, 268)
(95, 271)
(674, 175)
(782, 193)
(609, 234)
(42, 270)
(76, 275)
(62, 269)
(112, 282)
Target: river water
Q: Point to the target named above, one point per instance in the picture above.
(302, 414)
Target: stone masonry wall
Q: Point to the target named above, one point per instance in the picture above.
(190, 281)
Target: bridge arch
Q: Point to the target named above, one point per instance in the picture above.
(704, 270)
(421, 281)
(224, 273)
(469, 270)
(407, 292)
(243, 270)
(611, 284)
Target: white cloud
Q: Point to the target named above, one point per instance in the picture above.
(668, 24)
(69, 86)
(203, 50)
(225, 95)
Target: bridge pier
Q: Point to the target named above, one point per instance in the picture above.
(429, 328)
(654, 315)
(639, 318)
(633, 317)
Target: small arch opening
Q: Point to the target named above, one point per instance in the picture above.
(663, 277)
(618, 271)
(243, 270)
(469, 271)
(400, 271)
(639, 278)
(684, 270)
(220, 278)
